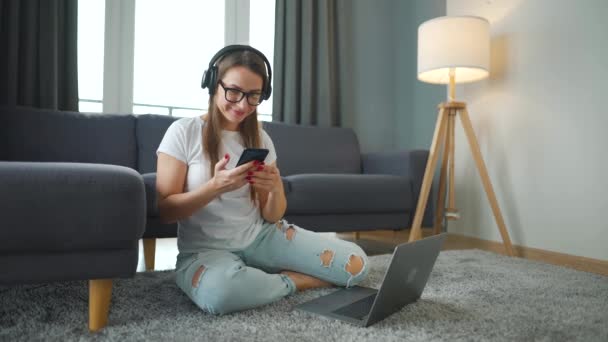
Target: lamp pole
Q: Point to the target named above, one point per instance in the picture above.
(452, 87)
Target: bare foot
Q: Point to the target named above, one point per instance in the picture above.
(305, 282)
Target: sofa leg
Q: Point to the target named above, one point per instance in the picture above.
(149, 253)
(100, 294)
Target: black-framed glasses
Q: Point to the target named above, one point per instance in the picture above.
(235, 95)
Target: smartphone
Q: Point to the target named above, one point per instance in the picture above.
(250, 154)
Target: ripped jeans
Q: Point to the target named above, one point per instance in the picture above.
(221, 281)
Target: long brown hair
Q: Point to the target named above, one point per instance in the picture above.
(249, 129)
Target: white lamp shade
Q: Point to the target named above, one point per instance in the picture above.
(462, 43)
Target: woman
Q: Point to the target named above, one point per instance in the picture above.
(235, 251)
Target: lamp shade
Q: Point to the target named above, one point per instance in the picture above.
(461, 43)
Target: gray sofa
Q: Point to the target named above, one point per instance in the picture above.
(330, 186)
(73, 203)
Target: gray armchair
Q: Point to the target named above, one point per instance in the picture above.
(67, 213)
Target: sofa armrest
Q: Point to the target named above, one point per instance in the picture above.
(67, 206)
(406, 163)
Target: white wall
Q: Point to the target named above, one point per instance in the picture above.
(542, 124)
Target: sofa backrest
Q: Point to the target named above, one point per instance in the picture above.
(300, 149)
(150, 130)
(28, 134)
(311, 149)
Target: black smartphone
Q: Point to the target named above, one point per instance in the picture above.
(250, 154)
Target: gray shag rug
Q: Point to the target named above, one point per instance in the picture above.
(471, 295)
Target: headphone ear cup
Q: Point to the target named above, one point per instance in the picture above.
(212, 80)
(267, 91)
(205, 80)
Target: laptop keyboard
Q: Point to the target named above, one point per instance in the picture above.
(358, 309)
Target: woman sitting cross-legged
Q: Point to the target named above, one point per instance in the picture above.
(235, 250)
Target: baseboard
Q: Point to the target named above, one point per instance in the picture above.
(577, 262)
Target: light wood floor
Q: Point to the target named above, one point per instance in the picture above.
(383, 241)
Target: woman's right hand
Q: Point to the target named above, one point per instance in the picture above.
(229, 180)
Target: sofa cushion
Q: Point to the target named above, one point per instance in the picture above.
(150, 130)
(352, 222)
(348, 193)
(28, 134)
(49, 207)
(308, 149)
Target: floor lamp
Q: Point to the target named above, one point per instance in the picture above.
(453, 50)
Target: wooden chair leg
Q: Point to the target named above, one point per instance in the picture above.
(357, 235)
(100, 294)
(149, 253)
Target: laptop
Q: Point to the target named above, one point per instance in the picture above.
(403, 283)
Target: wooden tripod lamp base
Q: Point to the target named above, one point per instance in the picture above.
(450, 49)
(444, 134)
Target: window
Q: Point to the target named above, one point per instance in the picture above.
(90, 54)
(172, 45)
(174, 40)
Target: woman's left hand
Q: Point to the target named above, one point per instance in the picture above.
(266, 178)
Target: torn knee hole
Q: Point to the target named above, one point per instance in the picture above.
(197, 276)
(290, 232)
(326, 257)
(354, 265)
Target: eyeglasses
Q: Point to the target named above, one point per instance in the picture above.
(235, 95)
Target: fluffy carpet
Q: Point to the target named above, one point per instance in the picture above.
(471, 295)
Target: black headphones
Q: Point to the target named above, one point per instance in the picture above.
(210, 75)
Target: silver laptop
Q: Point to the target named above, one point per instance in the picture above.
(403, 283)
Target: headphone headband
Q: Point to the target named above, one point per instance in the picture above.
(209, 80)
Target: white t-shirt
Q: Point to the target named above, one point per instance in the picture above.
(231, 221)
